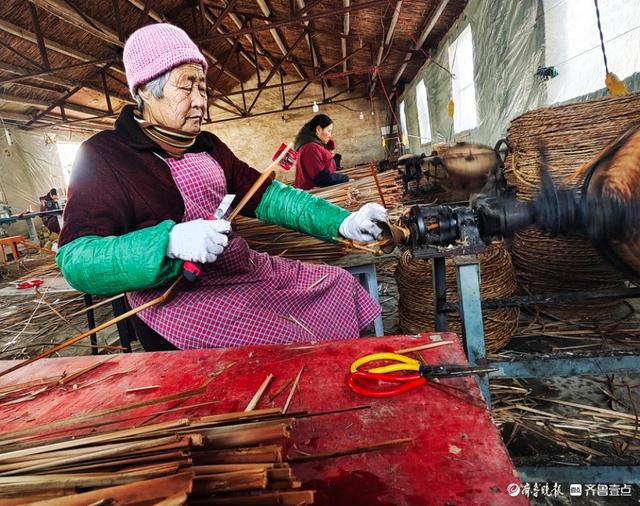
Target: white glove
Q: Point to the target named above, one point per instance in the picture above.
(198, 240)
(360, 226)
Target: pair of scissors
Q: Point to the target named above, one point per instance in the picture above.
(406, 372)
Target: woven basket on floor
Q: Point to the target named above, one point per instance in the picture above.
(573, 134)
(497, 280)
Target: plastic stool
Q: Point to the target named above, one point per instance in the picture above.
(366, 274)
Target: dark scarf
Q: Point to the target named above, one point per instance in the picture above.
(305, 136)
(173, 141)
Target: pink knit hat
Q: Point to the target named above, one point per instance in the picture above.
(154, 49)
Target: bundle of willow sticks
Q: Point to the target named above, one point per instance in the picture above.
(584, 429)
(229, 459)
(359, 190)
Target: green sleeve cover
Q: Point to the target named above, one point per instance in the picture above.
(114, 264)
(295, 209)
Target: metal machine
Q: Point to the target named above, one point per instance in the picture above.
(467, 165)
(597, 210)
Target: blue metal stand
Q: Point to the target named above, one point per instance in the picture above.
(366, 274)
(470, 307)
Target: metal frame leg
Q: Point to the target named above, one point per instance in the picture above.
(468, 282)
(33, 234)
(439, 276)
(126, 331)
(367, 277)
(91, 320)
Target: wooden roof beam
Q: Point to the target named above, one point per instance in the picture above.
(316, 57)
(274, 70)
(423, 36)
(43, 104)
(328, 102)
(229, 7)
(23, 34)
(278, 38)
(211, 19)
(346, 27)
(276, 23)
(392, 27)
(71, 16)
(58, 81)
(387, 42)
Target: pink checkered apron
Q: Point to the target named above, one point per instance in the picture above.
(246, 297)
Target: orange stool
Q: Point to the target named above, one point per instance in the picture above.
(12, 243)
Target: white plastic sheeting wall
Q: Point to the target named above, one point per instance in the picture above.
(508, 47)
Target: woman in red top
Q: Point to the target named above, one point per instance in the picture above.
(316, 166)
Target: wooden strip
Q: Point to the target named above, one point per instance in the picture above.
(157, 488)
(227, 468)
(77, 374)
(230, 482)
(424, 347)
(176, 456)
(262, 454)
(245, 437)
(43, 483)
(28, 498)
(235, 416)
(293, 389)
(280, 389)
(393, 443)
(115, 450)
(617, 414)
(97, 305)
(271, 168)
(84, 441)
(43, 429)
(256, 397)
(34, 383)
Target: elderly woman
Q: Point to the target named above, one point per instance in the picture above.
(139, 204)
(316, 165)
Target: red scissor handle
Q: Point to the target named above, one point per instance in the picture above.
(406, 382)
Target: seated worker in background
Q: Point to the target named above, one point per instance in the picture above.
(140, 202)
(49, 202)
(316, 166)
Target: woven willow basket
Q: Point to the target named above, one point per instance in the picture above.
(497, 280)
(573, 134)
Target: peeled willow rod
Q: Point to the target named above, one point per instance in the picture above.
(94, 330)
(263, 177)
(374, 173)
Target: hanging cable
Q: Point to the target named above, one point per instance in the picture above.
(604, 54)
(430, 58)
(613, 83)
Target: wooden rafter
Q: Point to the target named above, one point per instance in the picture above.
(275, 69)
(36, 26)
(276, 23)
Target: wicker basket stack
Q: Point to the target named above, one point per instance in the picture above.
(497, 280)
(572, 135)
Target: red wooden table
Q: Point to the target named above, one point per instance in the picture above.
(458, 457)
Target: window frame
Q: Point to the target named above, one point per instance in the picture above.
(423, 115)
(463, 69)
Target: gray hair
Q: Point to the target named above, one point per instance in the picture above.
(155, 87)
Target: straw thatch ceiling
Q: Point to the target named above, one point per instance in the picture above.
(57, 57)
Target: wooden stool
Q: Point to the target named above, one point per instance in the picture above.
(12, 243)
